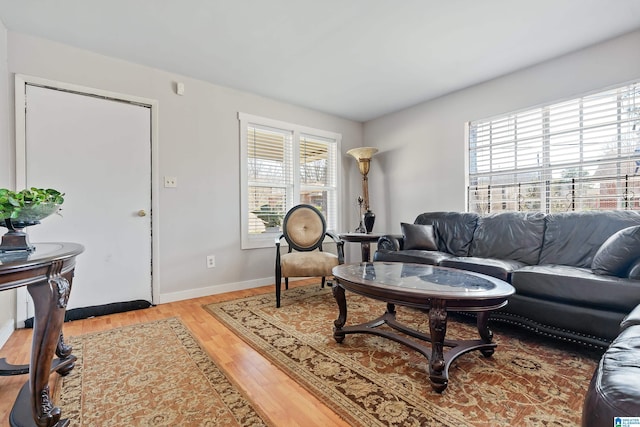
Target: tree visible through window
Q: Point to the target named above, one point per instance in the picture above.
(580, 154)
(284, 165)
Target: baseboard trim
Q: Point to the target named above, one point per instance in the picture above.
(217, 289)
(6, 331)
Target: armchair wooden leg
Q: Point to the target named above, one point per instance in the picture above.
(322, 283)
(278, 286)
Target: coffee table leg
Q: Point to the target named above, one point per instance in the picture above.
(485, 333)
(338, 294)
(438, 328)
(391, 309)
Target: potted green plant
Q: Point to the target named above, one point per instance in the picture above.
(269, 217)
(19, 209)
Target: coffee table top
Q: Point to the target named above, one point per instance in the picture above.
(418, 284)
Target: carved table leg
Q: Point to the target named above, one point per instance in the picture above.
(50, 301)
(485, 333)
(338, 294)
(391, 309)
(438, 329)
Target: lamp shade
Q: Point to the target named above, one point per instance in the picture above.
(362, 153)
(363, 156)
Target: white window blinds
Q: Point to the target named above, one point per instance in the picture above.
(318, 175)
(270, 165)
(283, 165)
(580, 154)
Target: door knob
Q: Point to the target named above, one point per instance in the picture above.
(142, 212)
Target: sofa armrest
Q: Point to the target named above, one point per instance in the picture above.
(391, 242)
(631, 319)
(634, 271)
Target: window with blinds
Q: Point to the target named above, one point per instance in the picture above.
(580, 154)
(284, 165)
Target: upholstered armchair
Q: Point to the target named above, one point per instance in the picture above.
(304, 229)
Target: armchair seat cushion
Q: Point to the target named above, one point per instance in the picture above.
(300, 264)
(498, 268)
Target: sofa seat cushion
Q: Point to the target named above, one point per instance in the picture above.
(411, 255)
(577, 286)
(499, 268)
(615, 390)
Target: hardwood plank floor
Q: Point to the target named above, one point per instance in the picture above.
(279, 397)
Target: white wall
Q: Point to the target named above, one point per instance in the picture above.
(199, 144)
(7, 298)
(422, 149)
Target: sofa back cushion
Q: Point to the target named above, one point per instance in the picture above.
(573, 238)
(454, 230)
(509, 235)
(618, 253)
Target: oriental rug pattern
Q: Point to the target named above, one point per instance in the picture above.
(372, 381)
(149, 374)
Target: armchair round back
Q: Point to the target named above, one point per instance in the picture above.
(304, 228)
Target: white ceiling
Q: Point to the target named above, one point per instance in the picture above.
(357, 59)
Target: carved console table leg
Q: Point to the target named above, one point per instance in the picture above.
(338, 294)
(365, 249)
(50, 301)
(438, 328)
(46, 272)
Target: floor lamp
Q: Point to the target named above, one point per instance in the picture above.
(363, 155)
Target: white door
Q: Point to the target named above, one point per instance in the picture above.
(98, 152)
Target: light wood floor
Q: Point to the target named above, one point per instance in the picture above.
(278, 396)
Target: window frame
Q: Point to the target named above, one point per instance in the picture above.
(252, 241)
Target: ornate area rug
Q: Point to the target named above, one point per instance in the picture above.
(149, 374)
(372, 381)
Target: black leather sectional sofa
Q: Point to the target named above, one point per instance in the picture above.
(614, 390)
(576, 274)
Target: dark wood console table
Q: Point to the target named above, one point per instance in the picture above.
(47, 273)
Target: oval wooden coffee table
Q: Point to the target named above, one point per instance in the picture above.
(430, 288)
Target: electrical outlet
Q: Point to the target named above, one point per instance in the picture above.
(170, 182)
(211, 261)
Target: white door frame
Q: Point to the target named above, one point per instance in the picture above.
(21, 166)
